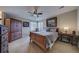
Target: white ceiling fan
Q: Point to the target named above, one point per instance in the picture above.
(35, 12)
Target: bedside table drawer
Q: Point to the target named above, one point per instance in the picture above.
(66, 39)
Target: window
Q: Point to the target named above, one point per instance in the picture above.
(34, 25)
(40, 26)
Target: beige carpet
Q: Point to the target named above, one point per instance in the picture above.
(23, 46)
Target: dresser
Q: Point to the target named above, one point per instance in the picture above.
(3, 39)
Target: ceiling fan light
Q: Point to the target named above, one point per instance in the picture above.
(35, 15)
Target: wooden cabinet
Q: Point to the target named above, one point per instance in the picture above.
(15, 28)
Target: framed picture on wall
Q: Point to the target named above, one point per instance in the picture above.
(51, 22)
(25, 24)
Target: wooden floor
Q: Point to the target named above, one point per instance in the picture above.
(23, 46)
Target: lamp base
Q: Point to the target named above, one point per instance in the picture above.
(65, 32)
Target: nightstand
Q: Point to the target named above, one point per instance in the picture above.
(69, 38)
(64, 37)
(75, 40)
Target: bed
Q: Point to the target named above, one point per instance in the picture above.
(44, 39)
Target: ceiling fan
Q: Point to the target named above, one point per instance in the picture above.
(35, 12)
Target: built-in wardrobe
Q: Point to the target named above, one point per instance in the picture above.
(15, 29)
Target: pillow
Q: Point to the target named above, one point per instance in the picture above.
(53, 29)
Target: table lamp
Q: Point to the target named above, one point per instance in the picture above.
(66, 29)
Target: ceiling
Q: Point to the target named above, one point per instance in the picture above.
(48, 11)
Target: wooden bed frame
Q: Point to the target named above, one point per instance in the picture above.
(39, 40)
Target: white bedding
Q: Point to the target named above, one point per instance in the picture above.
(44, 33)
(50, 37)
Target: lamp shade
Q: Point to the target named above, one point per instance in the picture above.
(66, 28)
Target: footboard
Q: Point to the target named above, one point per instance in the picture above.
(39, 40)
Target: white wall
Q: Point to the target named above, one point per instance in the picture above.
(25, 30)
(78, 19)
(68, 19)
(1, 22)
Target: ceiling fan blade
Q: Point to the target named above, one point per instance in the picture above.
(40, 13)
(30, 13)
